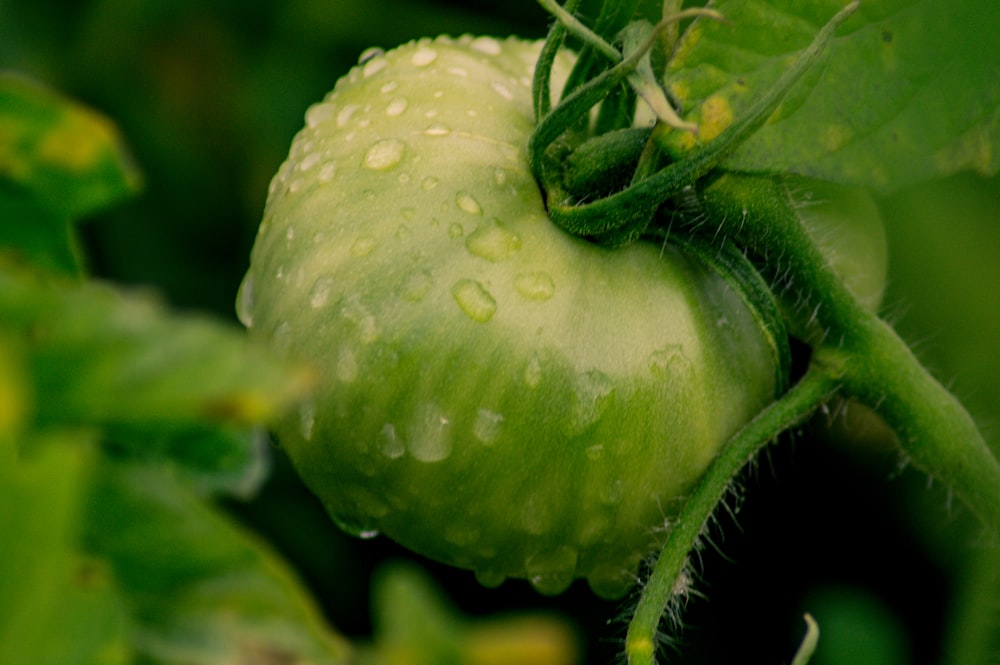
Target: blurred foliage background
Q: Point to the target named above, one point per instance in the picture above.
(209, 94)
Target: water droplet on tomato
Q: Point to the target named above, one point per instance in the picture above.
(437, 129)
(468, 203)
(384, 154)
(595, 452)
(416, 286)
(429, 183)
(319, 294)
(661, 360)
(533, 371)
(244, 301)
(376, 64)
(536, 516)
(345, 114)
(461, 72)
(370, 53)
(501, 89)
(281, 338)
(611, 582)
(492, 241)
(423, 56)
(551, 572)
(352, 526)
(487, 426)
(429, 436)
(612, 492)
(500, 177)
(327, 172)
(318, 113)
(455, 230)
(347, 365)
(474, 300)
(396, 107)
(487, 45)
(389, 87)
(311, 160)
(307, 419)
(363, 245)
(535, 285)
(591, 395)
(490, 579)
(389, 442)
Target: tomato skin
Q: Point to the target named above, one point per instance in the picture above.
(495, 394)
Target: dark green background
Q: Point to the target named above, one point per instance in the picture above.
(208, 96)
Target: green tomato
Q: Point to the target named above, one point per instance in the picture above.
(495, 394)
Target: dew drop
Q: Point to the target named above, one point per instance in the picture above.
(551, 572)
(437, 129)
(310, 161)
(353, 527)
(423, 56)
(369, 54)
(500, 177)
(595, 452)
(502, 90)
(610, 582)
(490, 579)
(347, 366)
(536, 516)
(458, 71)
(430, 435)
(612, 493)
(396, 107)
(429, 183)
(281, 338)
(384, 154)
(318, 113)
(327, 172)
(455, 230)
(416, 286)
(374, 66)
(486, 45)
(319, 294)
(591, 395)
(468, 203)
(535, 285)
(363, 245)
(474, 300)
(664, 362)
(389, 442)
(307, 419)
(493, 241)
(533, 371)
(244, 301)
(389, 87)
(345, 114)
(487, 426)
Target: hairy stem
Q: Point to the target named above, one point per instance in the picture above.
(794, 407)
(875, 366)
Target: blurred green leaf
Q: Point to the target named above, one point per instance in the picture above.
(35, 233)
(102, 356)
(56, 607)
(67, 156)
(907, 91)
(415, 625)
(202, 590)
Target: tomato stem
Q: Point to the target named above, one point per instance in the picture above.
(797, 405)
(875, 366)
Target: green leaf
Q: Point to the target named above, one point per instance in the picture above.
(56, 607)
(907, 91)
(99, 355)
(68, 157)
(201, 589)
(34, 233)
